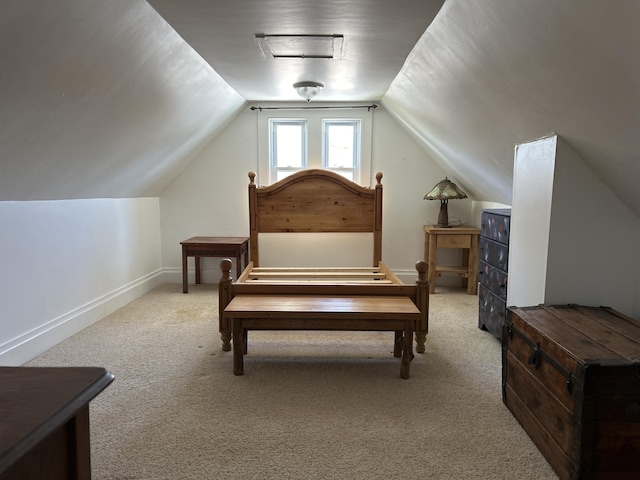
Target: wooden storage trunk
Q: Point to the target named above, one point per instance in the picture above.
(571, 377)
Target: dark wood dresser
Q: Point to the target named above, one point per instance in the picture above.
(44, 421)
(493, 269)
(571, 377)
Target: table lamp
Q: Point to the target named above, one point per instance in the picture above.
(444, 191)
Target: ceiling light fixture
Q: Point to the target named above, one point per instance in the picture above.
(308, 90)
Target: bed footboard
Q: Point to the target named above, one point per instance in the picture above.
(301, 284)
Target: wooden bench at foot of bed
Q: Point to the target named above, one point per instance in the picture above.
(310, 305)
(320, 312)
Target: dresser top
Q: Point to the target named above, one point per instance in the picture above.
(498, 211)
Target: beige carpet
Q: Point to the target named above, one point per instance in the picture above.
(311, 405)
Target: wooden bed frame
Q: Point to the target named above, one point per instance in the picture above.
(320, 298)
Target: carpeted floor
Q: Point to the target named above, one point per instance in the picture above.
(311, 405)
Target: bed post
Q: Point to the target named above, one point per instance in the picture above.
(224, 297)
(377, 221)
(253, 220)
(422, 302)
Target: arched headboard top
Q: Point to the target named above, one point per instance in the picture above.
(312, 174)
(315, 200)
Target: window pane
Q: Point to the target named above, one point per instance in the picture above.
(288, 145)
(340, 143)
(348, 174)
(280, 174)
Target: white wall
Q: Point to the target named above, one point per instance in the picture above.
(534, 168)
(101, 100)
(572, 240)
(594, 237)
(68, 263)
(210, 196)
(410, 173)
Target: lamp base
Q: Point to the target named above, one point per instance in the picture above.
(443, 216)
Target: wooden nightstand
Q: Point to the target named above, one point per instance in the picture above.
(197, 247)
(465, 238)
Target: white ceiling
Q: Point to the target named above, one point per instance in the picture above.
(488, 75)
(100, 99)
(107, 99)
(378, 36)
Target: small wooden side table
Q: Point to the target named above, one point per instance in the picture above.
(465, 238)
(237, 247)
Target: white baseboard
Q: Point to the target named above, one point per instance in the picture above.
(207, 275)
(174, 275)
(31, 344)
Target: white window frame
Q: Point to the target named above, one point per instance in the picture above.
(267, 175)
(274, 168)
(354, 169)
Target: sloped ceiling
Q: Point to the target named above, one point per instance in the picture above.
(107, 99)
(488, 75)
(377, 37)
(100, 99)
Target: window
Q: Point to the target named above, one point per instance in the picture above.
(332, 139)
(341, 147)
(288, 147)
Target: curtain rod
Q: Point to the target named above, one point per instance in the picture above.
(315, 107)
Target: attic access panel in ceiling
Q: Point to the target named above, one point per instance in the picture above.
(300, 46)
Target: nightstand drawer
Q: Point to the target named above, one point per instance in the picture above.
(462, 238)
(453, 241)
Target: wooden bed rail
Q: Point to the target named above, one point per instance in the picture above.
(310, 298)
(418, 293)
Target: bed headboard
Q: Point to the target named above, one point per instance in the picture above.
(315, 200)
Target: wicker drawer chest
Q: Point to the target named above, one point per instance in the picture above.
(571, 377)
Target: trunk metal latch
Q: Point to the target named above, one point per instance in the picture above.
(535, 357)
